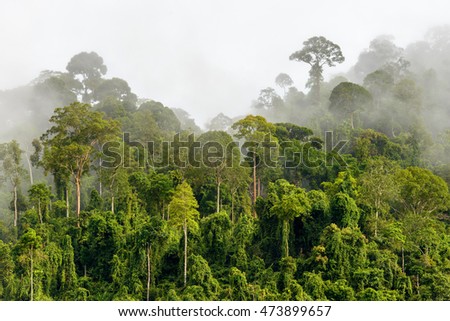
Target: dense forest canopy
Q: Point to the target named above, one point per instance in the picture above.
(339, 192)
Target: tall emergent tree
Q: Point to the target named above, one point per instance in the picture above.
(183, 213)
(317, 52)
(348, 98)
(269, 100)
(254, 129)
(72, 143)
(13, 171)
(422, 192)
(218, 159)
(284, 81)
(89, 68)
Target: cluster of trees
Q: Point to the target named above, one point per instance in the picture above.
(302, 223)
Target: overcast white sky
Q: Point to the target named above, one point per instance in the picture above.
(202, 56)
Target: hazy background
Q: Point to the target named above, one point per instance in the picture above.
(202, 56)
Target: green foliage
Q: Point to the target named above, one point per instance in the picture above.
(6, 272)
(95, 201)
(344, 183)
(317, 52)
(345, 250)
(216, 231)
(90, 67)
(184, 215)
(288, 131)
(67, 272)
(422, 192)
(270, 101)
(183, 208)
(253, 128)
(200, 274)
(347, 98)
(314, 286)
(165, 118)
(284, 81)
(39, 195)
(287, 202)
(12, 172)
(339, 290)
(115, 88)
(344, 210)
(373, 228)
(70, 144)
(319, 217)
(103, 235)
(243, 233)
(239, 286)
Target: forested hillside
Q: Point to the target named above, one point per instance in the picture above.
(340, 192)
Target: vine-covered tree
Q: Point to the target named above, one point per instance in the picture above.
(288, 202)
(27, 246)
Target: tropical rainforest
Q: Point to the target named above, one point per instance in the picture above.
(350, 201)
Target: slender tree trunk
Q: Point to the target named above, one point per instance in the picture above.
(149, 249)
(30, 169)
(376, 223)
(16, 211)
(218, 197)
(185, 251)
(112, 204)
(67, 203)
(259, 186)
(316, 89)
(351, 120)
(318, 93)
(31, 275)
(78, 191)
(254, 184)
